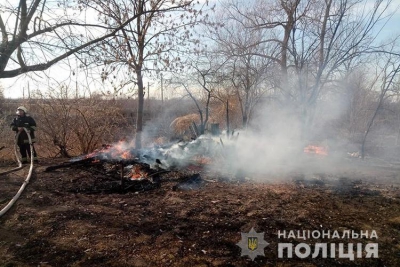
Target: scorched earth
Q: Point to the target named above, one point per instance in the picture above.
(80, 215)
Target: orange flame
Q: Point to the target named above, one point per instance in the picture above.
(126, 155)
(319, 150)
(138, 173)
(119, 151)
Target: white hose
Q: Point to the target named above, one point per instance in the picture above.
(28, 177)
(20, 166)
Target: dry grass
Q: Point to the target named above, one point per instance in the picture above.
(181, 125)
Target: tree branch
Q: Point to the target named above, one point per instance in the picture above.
(4, 39)
(44, 66)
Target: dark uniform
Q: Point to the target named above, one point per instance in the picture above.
(23, 140)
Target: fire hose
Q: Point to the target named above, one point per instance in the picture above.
(20, 166)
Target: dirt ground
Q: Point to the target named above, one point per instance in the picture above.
(78, 216)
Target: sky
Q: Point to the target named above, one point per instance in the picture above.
(61, 73)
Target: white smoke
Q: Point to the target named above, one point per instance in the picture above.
(182, 154)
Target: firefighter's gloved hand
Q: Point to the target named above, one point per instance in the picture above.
(20, 129)
(28, 127)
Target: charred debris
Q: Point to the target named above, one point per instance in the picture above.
(122, 168)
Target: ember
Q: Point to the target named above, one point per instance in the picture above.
(318, 150)
(137, 172)
(127, 164)
(118, 152)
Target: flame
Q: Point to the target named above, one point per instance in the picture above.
(126, 155)
(91, 155)
(138, 173)
(319, 150)
(119, 150)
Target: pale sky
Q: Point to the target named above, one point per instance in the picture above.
(61, 73)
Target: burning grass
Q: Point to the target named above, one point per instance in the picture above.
(164, 206)
(318, 150)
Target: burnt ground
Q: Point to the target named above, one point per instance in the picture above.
(78, 216)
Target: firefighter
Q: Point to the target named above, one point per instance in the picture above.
(19, 123)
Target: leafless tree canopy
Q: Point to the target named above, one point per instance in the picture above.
(151, 42)
(37, 34)
(295, 56)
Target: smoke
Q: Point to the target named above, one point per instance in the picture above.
(273, 147)
(275, 143)
(164, 113)
(181, 154)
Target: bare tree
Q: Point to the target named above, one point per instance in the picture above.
(3, 121)
(54, 115)
(37, 34)
(76, 125)
(240, 45)
(151, 42)
(248, 74)
(358, 91)
(201, 82)
(389, 71)
(315, 39)
(1, 94)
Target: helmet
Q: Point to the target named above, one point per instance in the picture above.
(24, 109)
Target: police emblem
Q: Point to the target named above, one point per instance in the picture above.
(252, 244)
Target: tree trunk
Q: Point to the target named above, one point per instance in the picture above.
(139, 120)
(244, 121)
(201, 120)
(207, 109)
(246, 109)
(227, 118)
(139, 77)
(307, 120)
(398, 131)
(370, 123)
(388, 80)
